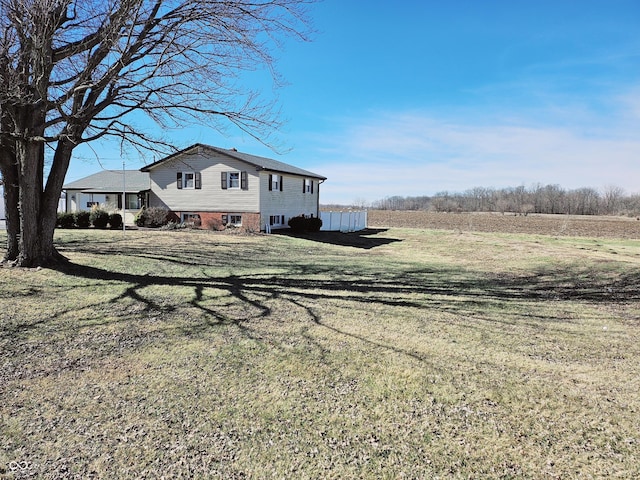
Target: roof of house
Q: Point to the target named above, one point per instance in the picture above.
(112, 181)
(261, 163)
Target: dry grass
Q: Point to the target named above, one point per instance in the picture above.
(388, 354)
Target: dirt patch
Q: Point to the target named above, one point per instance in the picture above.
(559, 225)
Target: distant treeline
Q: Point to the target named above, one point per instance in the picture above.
(521, 200)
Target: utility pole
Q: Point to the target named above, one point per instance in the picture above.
(124, 199)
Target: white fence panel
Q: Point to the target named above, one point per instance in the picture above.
(344, 221)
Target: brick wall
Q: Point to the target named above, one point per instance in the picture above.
(214, 220)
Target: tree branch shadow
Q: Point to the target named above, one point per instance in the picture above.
(425, 289)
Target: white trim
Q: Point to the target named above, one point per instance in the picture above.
(229, 182)
(184, 180)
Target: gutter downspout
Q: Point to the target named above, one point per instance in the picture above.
(318, 198)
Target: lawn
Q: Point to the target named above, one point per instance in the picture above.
(393, 353)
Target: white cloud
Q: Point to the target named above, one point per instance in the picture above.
(412, 153)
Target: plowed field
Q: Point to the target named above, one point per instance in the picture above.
(565, 225)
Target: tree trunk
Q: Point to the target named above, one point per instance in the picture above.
(9, 171)
(38, 207)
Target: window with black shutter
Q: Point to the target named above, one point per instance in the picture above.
(307, 185)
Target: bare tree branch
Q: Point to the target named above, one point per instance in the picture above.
(73, 71)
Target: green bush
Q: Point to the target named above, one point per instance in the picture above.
(99, 218)
(297, 224)
(314, 224)
(66, 220)
(152, 217)
(115, 220)
(303, 224)
(83, 219)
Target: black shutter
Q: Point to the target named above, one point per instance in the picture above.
(311, 186)
(179, 180)
(224, 219)
(243, 181)
(223, 181)
(304, 185)
(198, 180)
(270, 182)
(281, 182)
(119, 201)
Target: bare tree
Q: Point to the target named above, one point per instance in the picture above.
(612, 199)
(74, 71)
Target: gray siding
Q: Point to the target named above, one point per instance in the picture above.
(291, 201)
(211, 197)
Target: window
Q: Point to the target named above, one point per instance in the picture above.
(234, 180)
(276, 220)
(192, 219)
(307, 186)
(232, 219)
(133, 201)
(92, 204)
(275, 182)
(189, 180)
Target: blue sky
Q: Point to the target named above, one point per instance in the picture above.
(417, 97)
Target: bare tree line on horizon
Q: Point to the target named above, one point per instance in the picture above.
(548, 199)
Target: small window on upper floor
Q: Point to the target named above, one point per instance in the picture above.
(307, 186)
(189, 180)
(232, 180)
(275, 182)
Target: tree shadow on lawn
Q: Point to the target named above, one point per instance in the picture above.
(451, 291)
(245, 301)
(365, 239)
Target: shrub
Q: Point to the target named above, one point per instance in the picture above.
(314, 224)
(66, 220)
(173, 226)
(152, 217)
(115, 220)
(83, 219)
(297, 224)
(140, 218)
(99, 218)
(303, 224)
(214, 224)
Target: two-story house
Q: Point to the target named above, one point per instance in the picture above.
(206, 185)
(215, 186)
